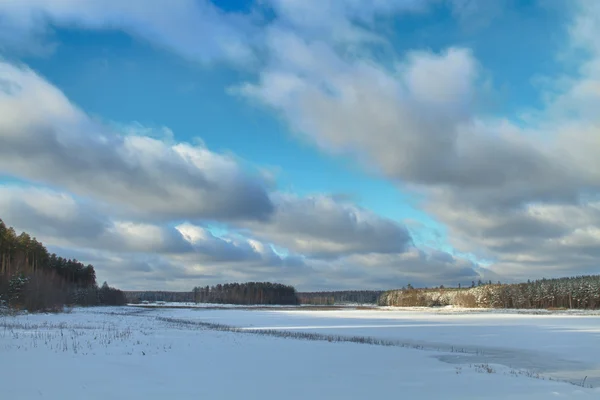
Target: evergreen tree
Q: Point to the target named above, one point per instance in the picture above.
(32, 278)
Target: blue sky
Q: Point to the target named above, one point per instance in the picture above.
(423, 151)
(117, 78)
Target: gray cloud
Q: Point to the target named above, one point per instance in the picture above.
(61, 220)
(324, 227)
(533, 241)
(143, 175)
(417, 267)
(181, 272)
(49, 214)
(137, 255)
(416, 123)
(134, 271)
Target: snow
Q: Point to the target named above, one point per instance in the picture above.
(150, 353)
(558, 345)
(167, 304)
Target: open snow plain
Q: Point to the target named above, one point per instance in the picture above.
(155, 353)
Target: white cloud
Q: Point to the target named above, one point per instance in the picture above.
(141, 174)
(419, 124)
(520, 194)
(195, 29)
(341, 21)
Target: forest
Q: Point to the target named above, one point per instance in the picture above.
(340, 297)
(247, 293)
(33, 279)
(139, 296)
(581, 292)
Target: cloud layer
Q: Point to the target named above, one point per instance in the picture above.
(329, 253)
(322, 227)
(46, 139)
(124, 198)
(498, 184)
(520, 190)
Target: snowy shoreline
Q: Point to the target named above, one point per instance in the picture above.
(373, 307)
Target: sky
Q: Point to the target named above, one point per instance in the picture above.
(331, 144)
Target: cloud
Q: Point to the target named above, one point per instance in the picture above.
(541, 234)
(583, 29)
(195, 29)
(323, 227)
(519, 192)
(124, 191)
(133, 271)
(329, 252)
(418, 267)
(62, 220)
(151, 271)
(199, 30)
(234, 247)
(418, 121)
(49, 214)
(475, 14)
(45, 138)
(538, 240)
(341, 22)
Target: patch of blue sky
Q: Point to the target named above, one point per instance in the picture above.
(114, 77)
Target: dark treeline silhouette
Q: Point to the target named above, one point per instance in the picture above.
(247, 293)
(340, 297)
(31, 278)
(582, 292)
(138, 296)
(110, 296)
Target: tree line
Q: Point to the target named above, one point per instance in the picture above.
(340, 297)
(580, 292)
(31, 278)
(138, 296)
(246, 293)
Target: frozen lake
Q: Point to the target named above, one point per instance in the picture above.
(127, 352)
(560, 345)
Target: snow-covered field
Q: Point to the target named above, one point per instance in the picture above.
(152, 353)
